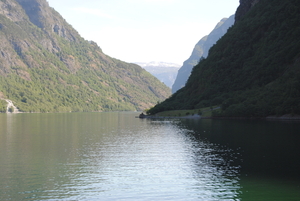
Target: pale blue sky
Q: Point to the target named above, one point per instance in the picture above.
(145, 30)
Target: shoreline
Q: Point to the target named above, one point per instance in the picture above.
(196, 116)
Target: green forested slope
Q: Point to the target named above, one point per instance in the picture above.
(254, 70)
(45, 66)
(201, 50)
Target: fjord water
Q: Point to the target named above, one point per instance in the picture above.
(115, 156)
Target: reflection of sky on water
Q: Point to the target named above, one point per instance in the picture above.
(114, 156)
(157, 160)
(109, 156)
(9, 122)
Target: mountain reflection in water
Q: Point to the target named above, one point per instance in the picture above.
(114, 156)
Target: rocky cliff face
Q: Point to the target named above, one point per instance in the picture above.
(44, 17)
(201, 50)
(46, 66)
(244, 7)
(25, 12)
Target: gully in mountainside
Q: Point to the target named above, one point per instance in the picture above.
(11, 108)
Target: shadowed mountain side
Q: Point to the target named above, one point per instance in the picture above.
(253, 70)
(201, 50)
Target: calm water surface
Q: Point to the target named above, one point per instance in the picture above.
(115, 156)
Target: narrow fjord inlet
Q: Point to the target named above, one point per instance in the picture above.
(87, 114)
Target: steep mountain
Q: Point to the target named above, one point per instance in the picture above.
(46, 66)
(253, 70)
(245, 6)
(201, 50)
(165, 72)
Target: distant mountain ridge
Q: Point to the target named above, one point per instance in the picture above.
(201, 50)
(46, 66)
(158, 64)
(164, 71)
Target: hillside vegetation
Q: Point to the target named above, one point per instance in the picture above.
(46, 66)
(253, 70)
(201, 50)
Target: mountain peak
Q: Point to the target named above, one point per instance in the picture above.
(244, 7)
(45, 66)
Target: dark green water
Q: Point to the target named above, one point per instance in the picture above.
(114, 156)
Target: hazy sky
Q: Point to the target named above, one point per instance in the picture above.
(145, 30)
